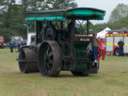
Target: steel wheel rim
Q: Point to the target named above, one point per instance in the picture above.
(48, 60)
(22, 64)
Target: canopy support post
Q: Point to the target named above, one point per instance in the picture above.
(88, 26)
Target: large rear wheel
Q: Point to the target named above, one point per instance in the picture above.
(50, 59)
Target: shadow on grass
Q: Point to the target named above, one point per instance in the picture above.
(37, 75)
(72, 76)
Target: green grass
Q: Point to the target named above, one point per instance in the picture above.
(112, 80)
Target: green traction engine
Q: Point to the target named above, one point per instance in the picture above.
(60, 42)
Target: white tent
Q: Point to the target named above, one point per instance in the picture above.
(29, 38)
(102, 33)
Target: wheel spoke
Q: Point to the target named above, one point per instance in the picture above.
(48, 50)
(48, 60)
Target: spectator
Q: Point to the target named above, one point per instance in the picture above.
(102, 49)
(11, 46)
(121, 47)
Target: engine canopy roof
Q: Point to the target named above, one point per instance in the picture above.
(61, 15)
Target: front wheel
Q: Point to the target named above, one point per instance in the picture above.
(27, 60)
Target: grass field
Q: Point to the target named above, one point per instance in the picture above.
(112, 80)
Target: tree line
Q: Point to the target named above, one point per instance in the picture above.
(12, 13)
(118, 19)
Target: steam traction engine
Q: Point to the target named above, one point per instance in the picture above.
(60, 44)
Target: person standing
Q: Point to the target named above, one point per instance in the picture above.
(102, 48)
(11, 46)
(121, 47)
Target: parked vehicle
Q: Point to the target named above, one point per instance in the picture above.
(2, 41)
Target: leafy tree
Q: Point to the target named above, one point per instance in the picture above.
(48, 4)
(11, 19)
(119, 12)
(12, 15)
(118, 19)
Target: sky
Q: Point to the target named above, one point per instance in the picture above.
(107, 5)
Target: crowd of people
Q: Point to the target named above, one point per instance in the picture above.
(15, 46)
